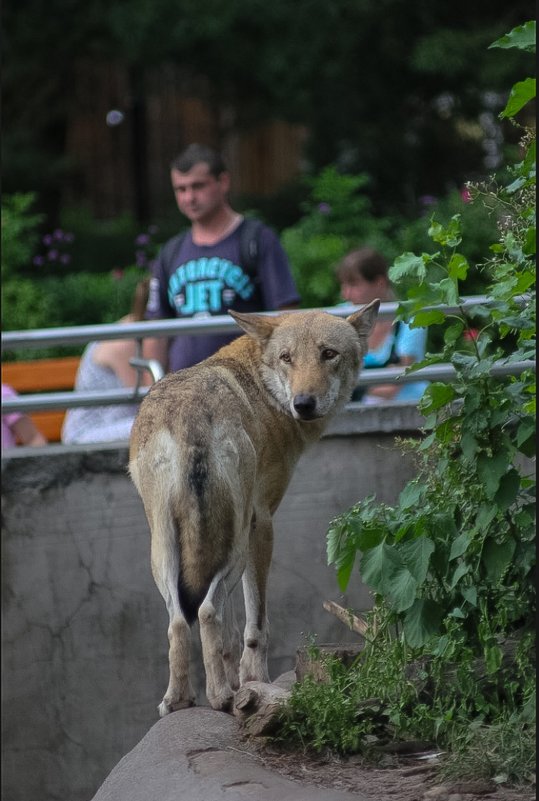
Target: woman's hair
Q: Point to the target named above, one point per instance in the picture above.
(364, 262)
(140, 299)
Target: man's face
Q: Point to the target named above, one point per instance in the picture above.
(198, 193)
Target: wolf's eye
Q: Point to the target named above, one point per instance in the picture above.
(328, 354)
(285, 357)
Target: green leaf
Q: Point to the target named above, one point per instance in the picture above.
(485, 516)
(422, 621)
(460, 545)
(416, 556)
(436, 396)
(423, 319)
(469, 594)
(521, 94)
(525, 429)
(452, 333)
(493, 658)
(490, 469)
(468, 445)
(522, 37)
(343, 574)
(410, 495)
(379, 565)
(458, 267)
(531, 242)
(507, 492)
(497, 557)
(450, 291)
(408, 265)
(461, 570)
(403, 589)
(448, 236)
(383, 570)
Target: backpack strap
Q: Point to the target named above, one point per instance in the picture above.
(249, 246)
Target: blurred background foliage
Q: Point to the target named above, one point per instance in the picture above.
(399, 102)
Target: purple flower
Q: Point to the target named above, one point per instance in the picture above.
(140, 258)
(39, 261)
(427, 200)
(324, 208)
(47, 240)
(52, 255)
(58, 235)
(142, 240)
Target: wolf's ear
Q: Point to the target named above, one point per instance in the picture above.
(363, 320)
(257, 326)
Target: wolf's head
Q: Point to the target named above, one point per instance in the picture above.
(310, 360)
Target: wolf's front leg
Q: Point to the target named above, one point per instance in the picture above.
(254, 660)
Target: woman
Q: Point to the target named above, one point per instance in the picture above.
(105, 365)
(18, 428)
(363, 277)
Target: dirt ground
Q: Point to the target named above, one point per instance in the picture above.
(402, 778)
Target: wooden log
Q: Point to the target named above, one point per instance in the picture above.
(257, 706)
(354, 622)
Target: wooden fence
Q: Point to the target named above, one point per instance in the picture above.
(125, 167)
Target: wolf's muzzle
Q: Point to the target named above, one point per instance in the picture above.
(305, 406)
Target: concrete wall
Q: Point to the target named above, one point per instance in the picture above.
(84, 628)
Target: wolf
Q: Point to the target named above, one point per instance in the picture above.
(212, 451)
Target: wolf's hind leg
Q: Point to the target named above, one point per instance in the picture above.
(231, 644)
(165, 569)
(254, 660)
(211, 617)
(179, 693)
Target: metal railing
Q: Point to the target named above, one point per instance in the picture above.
(13, 340)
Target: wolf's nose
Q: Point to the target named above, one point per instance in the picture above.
(305, 405)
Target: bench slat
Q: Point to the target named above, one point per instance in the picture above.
(43, 375)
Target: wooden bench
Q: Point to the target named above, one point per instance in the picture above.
(43, 375)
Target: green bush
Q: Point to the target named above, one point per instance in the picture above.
(19, 232)
(75, 299)
(337, 217)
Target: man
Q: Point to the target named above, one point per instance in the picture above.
(206, 271)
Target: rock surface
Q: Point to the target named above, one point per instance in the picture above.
(197, 755)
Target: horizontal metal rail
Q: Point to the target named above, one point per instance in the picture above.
(383, 375)
(218, 324)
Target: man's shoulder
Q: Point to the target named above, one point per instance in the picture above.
(173, 244)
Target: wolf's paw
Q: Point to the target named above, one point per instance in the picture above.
(166, 706)
(221, 701)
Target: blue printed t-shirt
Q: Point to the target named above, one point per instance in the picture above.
(190, 280)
